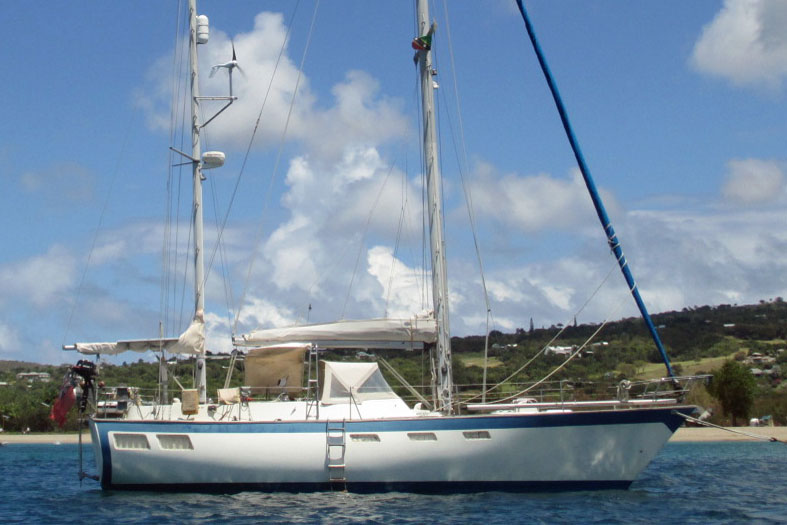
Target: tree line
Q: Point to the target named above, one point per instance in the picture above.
(621, 351)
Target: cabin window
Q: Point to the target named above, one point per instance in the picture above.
(174, 442)
(131, 442)
(422, 436)
(373, 438)
(477, 434)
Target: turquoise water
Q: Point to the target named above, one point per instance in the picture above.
(687, 483)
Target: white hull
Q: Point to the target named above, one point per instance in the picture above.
(501, 451)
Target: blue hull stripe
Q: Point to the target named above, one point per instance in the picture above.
(501, 421)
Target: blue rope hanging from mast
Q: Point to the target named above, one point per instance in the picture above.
(609, 231)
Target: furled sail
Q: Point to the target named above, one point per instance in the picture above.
(369, 333)
(192, 341)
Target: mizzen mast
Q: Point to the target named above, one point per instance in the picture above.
(199, 34)
(197, 177)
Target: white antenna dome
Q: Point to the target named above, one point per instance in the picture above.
(212, 159)
(203, 29)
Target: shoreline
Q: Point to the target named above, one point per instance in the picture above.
(44, 439)
(683, 435)
(709, 434)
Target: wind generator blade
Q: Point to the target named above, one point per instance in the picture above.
(235, 60)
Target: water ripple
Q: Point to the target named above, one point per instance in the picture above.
(687, 483)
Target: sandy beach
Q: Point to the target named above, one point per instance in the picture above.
(684, 435)
(688, 434)
(43, 439)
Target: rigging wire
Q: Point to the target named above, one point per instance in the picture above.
(363, 238)
(187, 259)
(462, 162)
(571, 357)
(254, 133)
(556, 337)
(424, 208)
(274, 174)
(112, 181)
(612, 239)
(398, 238)
(219, 245)
(222, 255)
(170, 263)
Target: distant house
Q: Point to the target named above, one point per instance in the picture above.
(560, 350)
(33, 377)
(758, 358)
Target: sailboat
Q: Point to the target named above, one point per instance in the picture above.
(349, 429)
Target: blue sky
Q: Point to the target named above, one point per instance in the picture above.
(679, 106)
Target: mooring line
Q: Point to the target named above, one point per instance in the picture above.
(705, 423)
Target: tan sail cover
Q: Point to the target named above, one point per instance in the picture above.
(192, 341)
(357, 381)
(277, 367)
(417, 329)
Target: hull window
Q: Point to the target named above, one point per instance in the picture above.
(174, 442)
(374, 438)
(131, 442)
(477, 434)
(422, 436)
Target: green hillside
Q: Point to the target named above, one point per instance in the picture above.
(698, 340)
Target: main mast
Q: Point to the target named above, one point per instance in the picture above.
(199, 265)
(423, 44)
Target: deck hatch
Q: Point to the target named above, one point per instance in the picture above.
(131, 442)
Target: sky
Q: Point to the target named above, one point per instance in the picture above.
(679, 107)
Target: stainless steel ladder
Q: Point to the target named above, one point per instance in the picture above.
(335, 449)
(313, 386)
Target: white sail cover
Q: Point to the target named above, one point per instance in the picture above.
(192, 341)
(418, 329)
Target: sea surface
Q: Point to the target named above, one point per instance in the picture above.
(686, 483)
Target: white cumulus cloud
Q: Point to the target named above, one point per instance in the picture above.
(745, 43)
(754, 181)
(358, 114)
(536, 202)
(334, 213)
(42, 280)
(403, 287)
